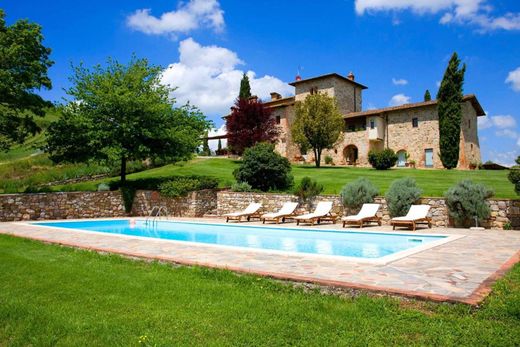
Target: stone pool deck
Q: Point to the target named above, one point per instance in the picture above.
(462, 270)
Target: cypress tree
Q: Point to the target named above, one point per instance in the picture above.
(219, 147)
(205, 146)
(450, 112)
(245, 88)
(427, 95)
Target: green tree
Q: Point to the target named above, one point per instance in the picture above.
(245, 88)
(264, 169)
(450, 112)
(427, 95)
(318, 124)
(219, 146)
(122, 112)
(205, 146)
(24, 62)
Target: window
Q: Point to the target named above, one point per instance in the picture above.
(314, 90)
(278, 119)
(469, 123)
(372, 124)
(415, 122)
(351, 127)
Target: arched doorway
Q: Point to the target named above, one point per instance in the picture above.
(401, 158)
(351, 154)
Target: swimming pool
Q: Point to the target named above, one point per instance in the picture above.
(340, 243)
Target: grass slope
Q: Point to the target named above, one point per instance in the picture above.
(50, 295)
(433, 182)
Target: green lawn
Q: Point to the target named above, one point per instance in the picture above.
(51, 295)
(433, 182)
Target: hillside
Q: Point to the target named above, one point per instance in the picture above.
(433, 182)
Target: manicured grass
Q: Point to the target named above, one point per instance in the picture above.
(50, 295)
(433, 182)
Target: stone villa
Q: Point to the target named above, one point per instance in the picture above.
(411, 130)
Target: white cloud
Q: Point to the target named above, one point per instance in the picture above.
(500, 122)
(208, 77)
(189, 16)
(399, 82)
(473, 12)
(513, 78)
(507, 133)
(399, 99)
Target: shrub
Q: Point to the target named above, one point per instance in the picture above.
(241, 187)
(37, 189)
(467, 200)
(103, 187)
(514, 176)
(329, 160)
(382, 160)
(264, 169)
(308, 189)
(179, 187)
(358, 192)
(128, 195)
(402, 194)
(154, 183)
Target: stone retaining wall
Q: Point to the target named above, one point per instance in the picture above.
(502, 211)
(69, 205)
(15, 207)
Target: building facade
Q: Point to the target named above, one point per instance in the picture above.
(411, 130)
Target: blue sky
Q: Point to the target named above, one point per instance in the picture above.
(398, 48)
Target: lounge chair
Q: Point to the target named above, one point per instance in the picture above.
(287, 211)
(367, 214)
(321, 213)
(249, 212)
(418, 214)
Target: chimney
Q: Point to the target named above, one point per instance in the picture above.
(351, 76)
(298, 77)
(253, 98)
(275, 96)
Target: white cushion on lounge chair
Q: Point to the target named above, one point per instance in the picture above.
(287, 209)
(252, 208)
(367, 211)
(416, 212)
(322, 209)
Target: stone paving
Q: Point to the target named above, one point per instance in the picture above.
(462, 270)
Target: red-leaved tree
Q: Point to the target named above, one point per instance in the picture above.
(250, 122)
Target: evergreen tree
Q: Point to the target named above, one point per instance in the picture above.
(427, 95)
(205, 146)
(450, 112)
(245, 88)
(219, 147)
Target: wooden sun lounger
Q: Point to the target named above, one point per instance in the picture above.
(418, 214)
(252, 211)
(367, 214)
(318, 217)
(286, 212)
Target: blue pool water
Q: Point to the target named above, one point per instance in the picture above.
(326, 242)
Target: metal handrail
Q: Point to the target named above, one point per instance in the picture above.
(153, 218)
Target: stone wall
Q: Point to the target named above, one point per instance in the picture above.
(502, 211)
(16, 207)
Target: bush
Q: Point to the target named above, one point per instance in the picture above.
(308, 189)
(241, 187)
(402, 194)
(514, 176)
(154, 183)
(264, 169)
(467, 200)
(382, 160)
(37, 189)
(179, 187)
(357, 193)
(103, 187)
(329, 160)
(128, 194)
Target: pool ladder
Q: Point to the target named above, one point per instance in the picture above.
(152, 218)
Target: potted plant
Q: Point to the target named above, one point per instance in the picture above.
(411, 163)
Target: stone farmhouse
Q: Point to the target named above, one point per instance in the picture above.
(411, 130)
